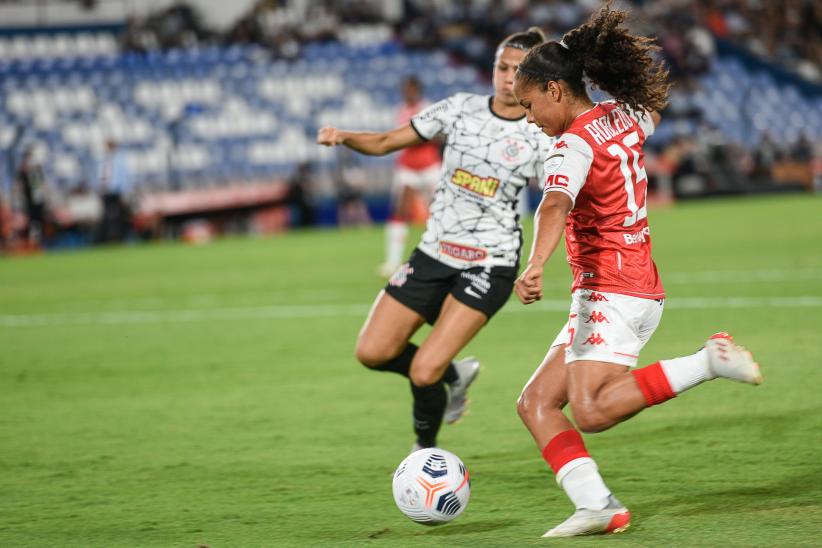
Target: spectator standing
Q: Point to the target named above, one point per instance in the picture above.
(32, 185)
(114, 184)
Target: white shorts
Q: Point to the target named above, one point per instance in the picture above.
(425, 181)
(608, 327)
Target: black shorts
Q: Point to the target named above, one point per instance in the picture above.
(422, 284)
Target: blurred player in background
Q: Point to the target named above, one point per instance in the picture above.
(416, 176)
(464, 268)
(114, 183)
(595, 190)
(32, 184)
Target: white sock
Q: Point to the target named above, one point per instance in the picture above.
(395, 233)
(582, 483)
(688, 371)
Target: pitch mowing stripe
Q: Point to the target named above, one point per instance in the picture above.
(356, 310)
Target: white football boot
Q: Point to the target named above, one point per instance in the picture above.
(467, 371)
(731, 361)
(614, 518)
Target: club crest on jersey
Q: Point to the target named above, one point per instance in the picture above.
(399, 277)
(463, 252)
(511, 150)
(484, 186)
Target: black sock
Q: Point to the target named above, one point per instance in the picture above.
(402, 363)
(429, 407)
(450, 374)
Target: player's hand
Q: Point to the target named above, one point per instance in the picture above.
(329, 136)
(528, 286)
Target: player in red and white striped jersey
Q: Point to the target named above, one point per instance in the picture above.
(594, 190)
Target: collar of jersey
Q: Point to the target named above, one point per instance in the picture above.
(491, 101)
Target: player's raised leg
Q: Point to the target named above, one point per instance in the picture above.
(540, 408)
(604, 394)
(456, 325)
(383, 341)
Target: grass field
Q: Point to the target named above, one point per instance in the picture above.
(166, 395)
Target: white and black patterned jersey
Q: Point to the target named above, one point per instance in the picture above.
(487, 161)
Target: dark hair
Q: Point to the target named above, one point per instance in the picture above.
(412, 80)
(613, 59)
(523, 40)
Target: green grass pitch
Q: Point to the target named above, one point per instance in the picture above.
(166, 395)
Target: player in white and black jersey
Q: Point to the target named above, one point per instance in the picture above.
(464, 268)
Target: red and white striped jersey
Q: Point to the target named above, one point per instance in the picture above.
(598, 162)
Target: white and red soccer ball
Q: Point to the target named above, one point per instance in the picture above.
(431, 486)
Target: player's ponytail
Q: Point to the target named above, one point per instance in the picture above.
(523, 40)
(612, 58)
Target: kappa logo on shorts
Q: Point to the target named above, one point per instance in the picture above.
(597, 297)
(595, 339)
(399, 277)
(597, 317)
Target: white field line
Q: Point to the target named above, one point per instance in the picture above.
(296, 312)
(707, 277)
(239, 298)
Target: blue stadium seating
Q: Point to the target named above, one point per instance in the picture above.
(213, 114)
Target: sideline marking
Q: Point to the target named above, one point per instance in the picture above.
(287, 312)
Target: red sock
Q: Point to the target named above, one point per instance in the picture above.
(654, 384)
(563, 448)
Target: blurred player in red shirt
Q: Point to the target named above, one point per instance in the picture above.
(594, 191)
(417, 175)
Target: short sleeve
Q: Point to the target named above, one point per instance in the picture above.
(545, 145)
(567, 166)
(437, 118)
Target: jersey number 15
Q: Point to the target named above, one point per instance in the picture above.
(634, 175)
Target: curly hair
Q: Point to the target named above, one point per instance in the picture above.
(612, 58)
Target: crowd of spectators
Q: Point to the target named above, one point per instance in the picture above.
(787, 34)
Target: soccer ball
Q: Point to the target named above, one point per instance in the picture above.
(431, 486)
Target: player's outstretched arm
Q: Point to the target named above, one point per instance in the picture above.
(373, 144)
(549, 222)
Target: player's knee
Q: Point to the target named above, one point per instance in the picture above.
(590, 419)
(421, 377)
(426, 368)
(527, 405)
(370, 355)
(533, 402)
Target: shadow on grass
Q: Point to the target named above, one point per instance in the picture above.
(472, 527)
(799, 490)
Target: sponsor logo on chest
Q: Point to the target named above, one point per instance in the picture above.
(484, 186)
